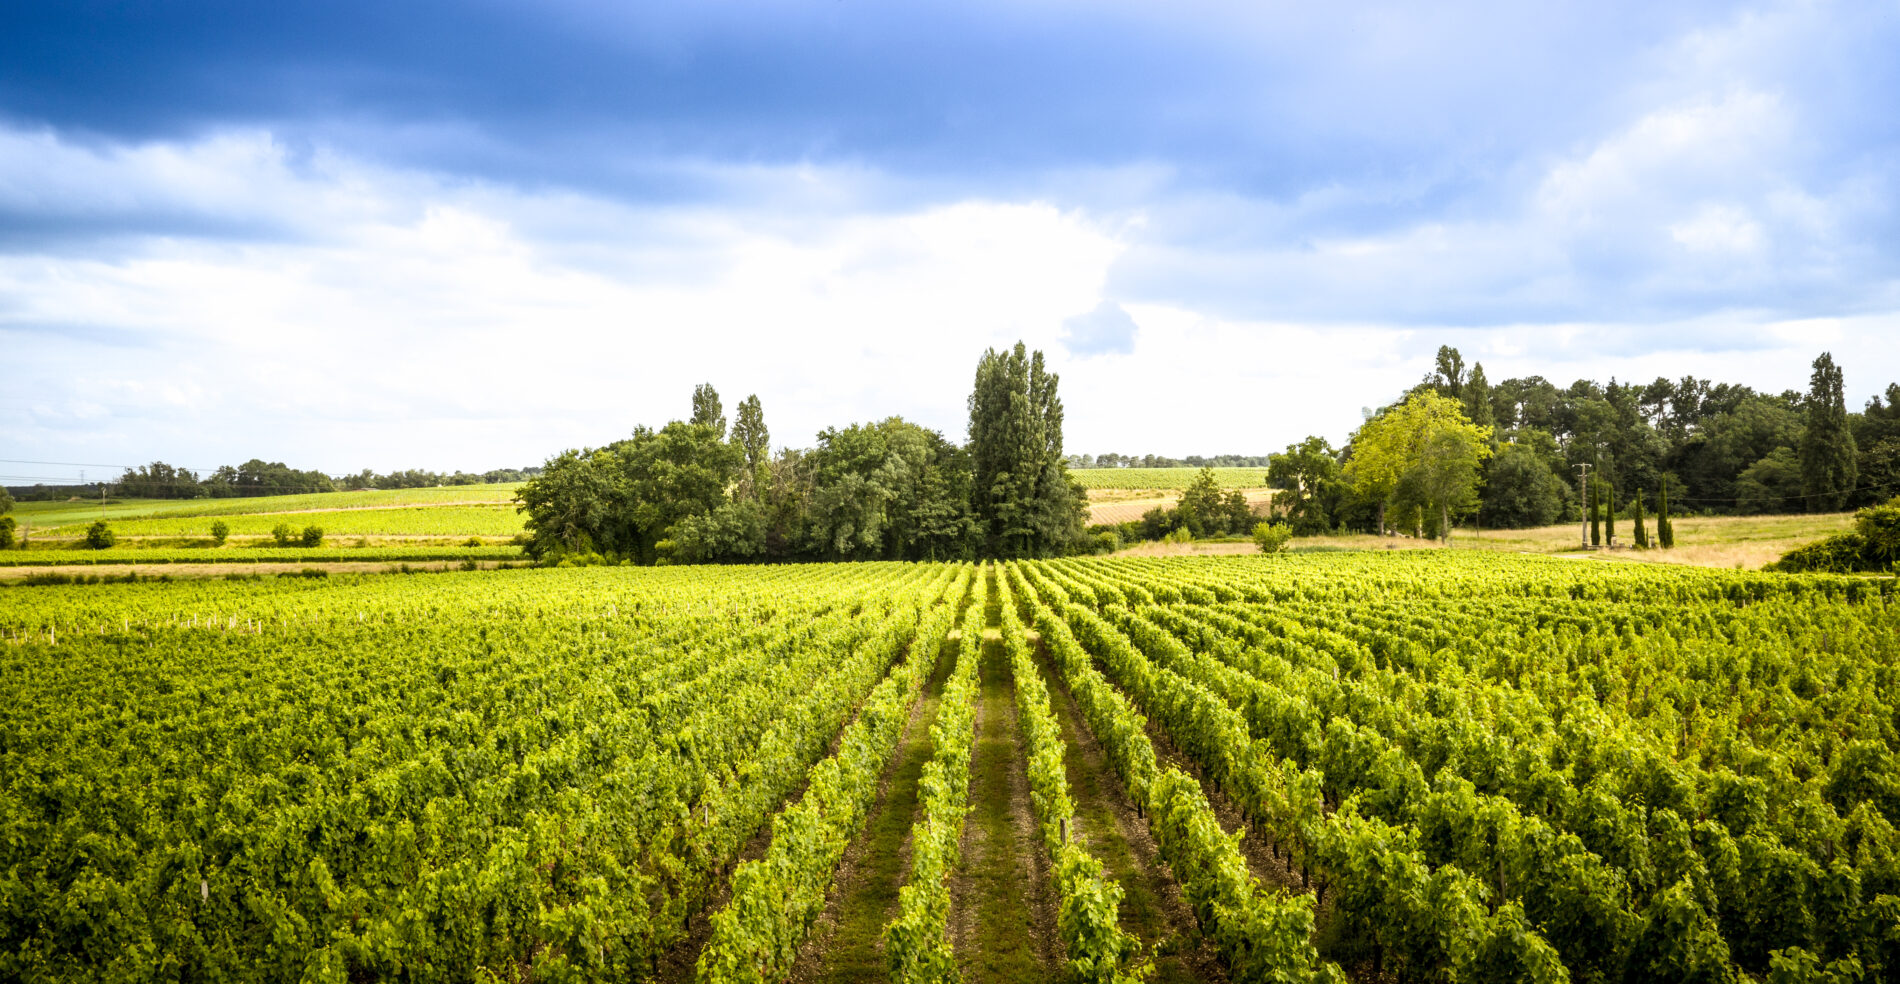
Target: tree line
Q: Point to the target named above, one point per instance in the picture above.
(697, 490)
(1458, 447)
(258, 477)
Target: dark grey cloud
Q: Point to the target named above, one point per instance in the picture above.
(1471, 164)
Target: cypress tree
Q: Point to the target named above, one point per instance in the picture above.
(1642, 535)
(1596, 513)
(1665, 534)
(1609, 513)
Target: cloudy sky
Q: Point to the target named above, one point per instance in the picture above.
(467, 235)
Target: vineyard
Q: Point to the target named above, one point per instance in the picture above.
(1415, 766)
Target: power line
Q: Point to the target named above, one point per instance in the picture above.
(1882, 486)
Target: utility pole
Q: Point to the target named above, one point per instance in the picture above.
(1583, 487)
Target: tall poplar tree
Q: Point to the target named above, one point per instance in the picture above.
(1828, 469)
(1025, 503)
(1477, 398)
(707, 411)
(755, 442)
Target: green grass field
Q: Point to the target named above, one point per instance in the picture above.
(1166, 478)
(262, 552)
(409, 521)
(463, 510)
(80, 512)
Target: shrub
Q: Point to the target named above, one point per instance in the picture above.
(312, 536)
(6, 532)
(1272, 537)
(473, 541)
(1872, 545)
(1107, 541)
(283, 534)
(1879, 529)
(1181, 535)
(99, 536)
(220, 531)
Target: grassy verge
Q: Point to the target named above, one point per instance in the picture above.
(1001, 914)
(865, 898)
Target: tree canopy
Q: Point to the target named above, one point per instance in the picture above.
(888, 490)
(1717, 447)
(1421, 457)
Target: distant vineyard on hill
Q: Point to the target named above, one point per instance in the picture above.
(1166, 478)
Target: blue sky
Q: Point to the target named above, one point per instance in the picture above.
(462, 235)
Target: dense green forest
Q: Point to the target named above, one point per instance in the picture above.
(1715, 447)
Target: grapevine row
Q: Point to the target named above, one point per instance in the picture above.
(917, 940)
(1262, 936)
(774, 901)
(1088, 918)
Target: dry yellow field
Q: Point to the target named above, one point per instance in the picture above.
(1128, 505)
(1745, 542)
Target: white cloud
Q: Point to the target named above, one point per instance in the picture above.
(431, 331)
(234, 296)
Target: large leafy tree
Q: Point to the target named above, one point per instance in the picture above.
(1770, 485)
(159, 480)
(257, 477)
(1448, 372)
(1521, 489)
(625, 498)
(1477, 398)
(889, 490)
(1827, 446)
(1306, 483)
(1024, 501)
(1712, 458)
(1424, 455)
